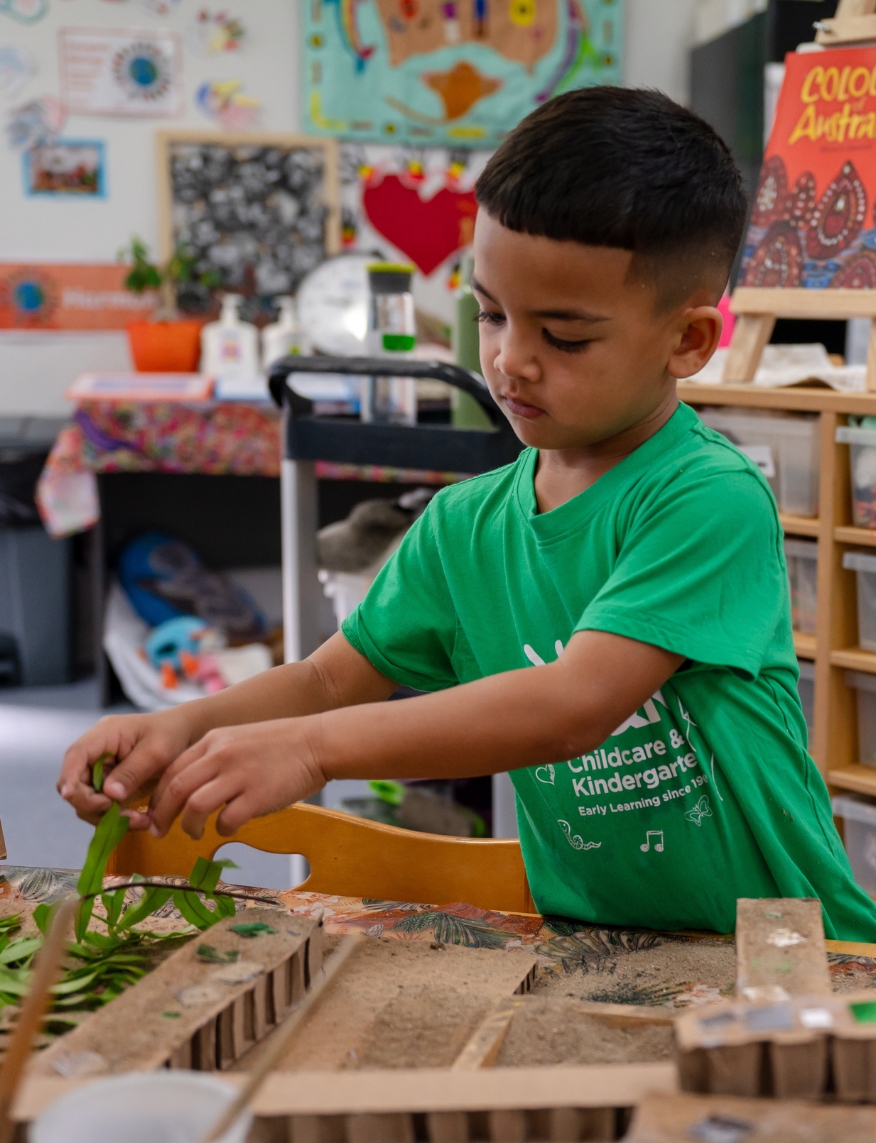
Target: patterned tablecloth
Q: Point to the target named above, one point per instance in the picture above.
(212, 437)
(562, 945)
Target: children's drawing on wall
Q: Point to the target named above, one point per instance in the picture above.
(159, 7)
(17, 67)
(119, 72)
(413, 205)
(65, 167)
(25, 11)
(225, 103)
(214, 33)
(39, 121)
(450, 72)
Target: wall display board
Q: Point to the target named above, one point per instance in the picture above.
(449, 72)
(67, 295)
(257, 212)
(813, 224)
(113, 71)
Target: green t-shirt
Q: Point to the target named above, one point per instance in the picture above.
(706, 793)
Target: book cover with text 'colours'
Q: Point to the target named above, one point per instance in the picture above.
(813, 222)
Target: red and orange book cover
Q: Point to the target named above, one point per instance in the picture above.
(813, 222)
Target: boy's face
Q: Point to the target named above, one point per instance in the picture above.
(574, 348)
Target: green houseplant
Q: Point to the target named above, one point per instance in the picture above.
(167, 344)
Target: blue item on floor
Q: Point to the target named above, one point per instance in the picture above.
(164, 579)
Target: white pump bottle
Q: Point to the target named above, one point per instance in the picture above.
(230, 346)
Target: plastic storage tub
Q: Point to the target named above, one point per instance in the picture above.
(862, 459)
(860, 831)
(785, 449)
(865, 566)
(865, 686)
(806, 690)
(801, 557)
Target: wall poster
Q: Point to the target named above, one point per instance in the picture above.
(813, 223)
(66, 295)
(114, 71)
(449, 72)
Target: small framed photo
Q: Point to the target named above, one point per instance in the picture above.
(65, 167)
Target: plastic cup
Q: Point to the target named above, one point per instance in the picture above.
(141, 1107)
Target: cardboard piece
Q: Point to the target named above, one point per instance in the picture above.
(780, 944)
(714, 1119)
(191, 1013)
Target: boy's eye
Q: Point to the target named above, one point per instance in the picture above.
(486, 318)
(565, 346)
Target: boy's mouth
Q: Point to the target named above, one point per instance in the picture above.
(521, 409)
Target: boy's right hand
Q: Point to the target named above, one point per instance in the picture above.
(142, 745)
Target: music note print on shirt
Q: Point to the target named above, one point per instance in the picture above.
(658, 845)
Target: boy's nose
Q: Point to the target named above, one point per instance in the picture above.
(516, 358)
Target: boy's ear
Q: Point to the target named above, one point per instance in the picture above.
(700, 334)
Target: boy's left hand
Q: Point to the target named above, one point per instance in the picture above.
(251, 770)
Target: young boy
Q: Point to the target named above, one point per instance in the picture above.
(608, 618)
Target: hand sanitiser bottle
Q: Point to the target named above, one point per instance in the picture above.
(392, 332)
(230, 346)
(283, 337)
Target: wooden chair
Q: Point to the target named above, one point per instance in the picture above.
(353, 858)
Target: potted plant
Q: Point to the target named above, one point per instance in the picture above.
(167, 344)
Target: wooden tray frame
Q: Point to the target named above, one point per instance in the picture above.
(400, 1106)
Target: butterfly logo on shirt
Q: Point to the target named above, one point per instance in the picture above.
(574, 840)
(701, 810)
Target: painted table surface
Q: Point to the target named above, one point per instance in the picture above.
(561, 944)
(212, 437)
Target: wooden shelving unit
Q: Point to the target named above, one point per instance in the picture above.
(833, 648)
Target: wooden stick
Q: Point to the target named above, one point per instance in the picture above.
(45, 974)
(280, 1040)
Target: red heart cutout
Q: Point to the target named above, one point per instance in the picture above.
(427, 232)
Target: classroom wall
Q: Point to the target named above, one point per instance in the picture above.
(35, 369)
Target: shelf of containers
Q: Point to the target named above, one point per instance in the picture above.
(841, 664)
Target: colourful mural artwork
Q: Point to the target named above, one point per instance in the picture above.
(449, 72)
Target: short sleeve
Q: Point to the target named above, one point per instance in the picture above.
(700, 573)
(406, 626)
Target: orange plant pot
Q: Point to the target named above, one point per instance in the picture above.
(165, 346)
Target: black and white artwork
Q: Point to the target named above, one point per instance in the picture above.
(255, 219)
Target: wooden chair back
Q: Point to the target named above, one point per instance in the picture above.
(352, 857)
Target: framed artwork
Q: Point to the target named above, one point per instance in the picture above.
(256, 211)
(65, 168)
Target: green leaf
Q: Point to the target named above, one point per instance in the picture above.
(194, 910)
(18, 950)
(42, 915)
(391, 792)
(153, 899)
(97, 771)
(256, 929)
(111, 828)
(113, 903)
(217, 956)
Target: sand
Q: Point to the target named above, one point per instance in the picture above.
(560, 1031)
(673, 973)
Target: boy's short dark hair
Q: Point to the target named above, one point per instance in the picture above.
(613, 166)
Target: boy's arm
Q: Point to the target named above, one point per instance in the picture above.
(520, 718)
(335, 675)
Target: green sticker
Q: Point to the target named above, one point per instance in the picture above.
(864, 1012)
(217, 956)
(256, 929)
